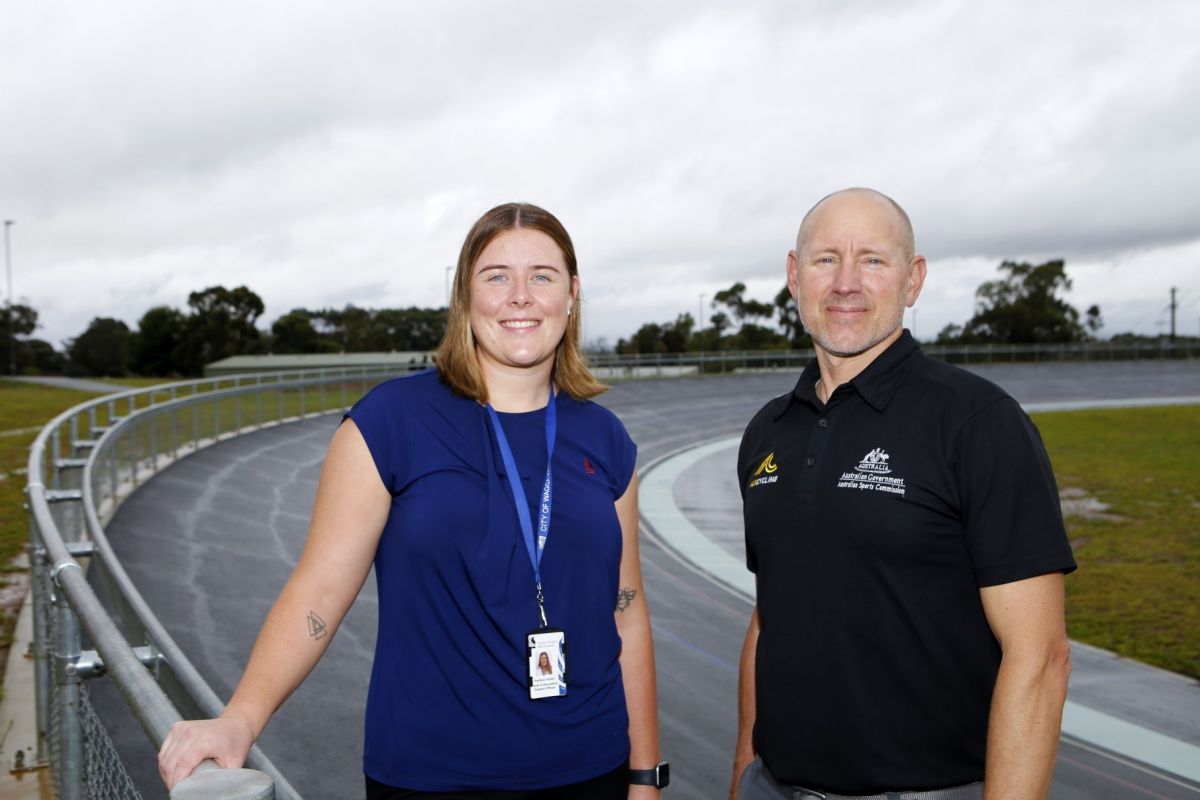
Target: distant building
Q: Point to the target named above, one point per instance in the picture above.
(245, 365)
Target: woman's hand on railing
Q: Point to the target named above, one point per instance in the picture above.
(226, 740)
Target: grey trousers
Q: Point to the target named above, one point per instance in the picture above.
(757, 783)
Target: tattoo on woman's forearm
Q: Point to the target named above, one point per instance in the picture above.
(316, 626)
(625, 597)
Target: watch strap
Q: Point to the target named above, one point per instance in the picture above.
(658, 777)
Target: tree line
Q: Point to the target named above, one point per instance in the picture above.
(217, 323)
(1023, 305)
(737, 323)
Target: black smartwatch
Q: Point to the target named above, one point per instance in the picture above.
(658, 777)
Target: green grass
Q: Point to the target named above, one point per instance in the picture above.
(1137, 590)
(24, 409)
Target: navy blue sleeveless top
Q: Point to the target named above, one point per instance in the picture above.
(448, 707)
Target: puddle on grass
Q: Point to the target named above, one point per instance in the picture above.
(1077, 502)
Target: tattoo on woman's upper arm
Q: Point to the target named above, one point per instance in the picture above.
(316, 626)
(625, 597)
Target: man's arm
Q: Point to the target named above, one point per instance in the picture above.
(1027, 618)
(743, 753)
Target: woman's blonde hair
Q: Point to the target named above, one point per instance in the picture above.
(456, 360)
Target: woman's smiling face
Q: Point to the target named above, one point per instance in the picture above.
(521, 293)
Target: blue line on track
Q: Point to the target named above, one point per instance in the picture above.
(715, 660)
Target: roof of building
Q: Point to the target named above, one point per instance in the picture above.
(295, 361)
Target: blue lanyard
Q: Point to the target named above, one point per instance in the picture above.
(538, 547)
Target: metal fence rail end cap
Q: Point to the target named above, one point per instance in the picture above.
(225, 784)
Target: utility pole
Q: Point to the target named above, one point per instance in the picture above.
(700, 318)
(1173, 314)
(8, 304)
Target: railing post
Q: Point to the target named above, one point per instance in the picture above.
(115, 468)
(41, 631)
(69, 758)
(152, 421)
(56, 476)
(55, 454)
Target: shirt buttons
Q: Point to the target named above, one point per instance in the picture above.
(822, 422)
(810, 461)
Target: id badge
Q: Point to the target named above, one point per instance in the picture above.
(546, 651)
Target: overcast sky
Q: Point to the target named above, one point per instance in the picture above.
(325, 154)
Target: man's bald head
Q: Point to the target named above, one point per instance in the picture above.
(904, 230)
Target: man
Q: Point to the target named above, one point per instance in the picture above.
(903, 523)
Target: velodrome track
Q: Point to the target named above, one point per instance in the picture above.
(212, 539)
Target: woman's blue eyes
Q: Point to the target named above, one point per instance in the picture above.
(497, 277)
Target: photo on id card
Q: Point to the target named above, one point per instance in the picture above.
(546, 649)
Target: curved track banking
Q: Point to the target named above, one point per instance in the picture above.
(211, 541)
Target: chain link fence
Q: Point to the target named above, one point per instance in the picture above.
(104, 776)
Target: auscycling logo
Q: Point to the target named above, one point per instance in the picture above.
(873, 474)
(765, 472)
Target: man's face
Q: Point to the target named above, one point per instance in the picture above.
(853, 274)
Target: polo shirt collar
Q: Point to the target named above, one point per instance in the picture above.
(875, 384)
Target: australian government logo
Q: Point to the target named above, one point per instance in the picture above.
(873, 474)
(765, 472)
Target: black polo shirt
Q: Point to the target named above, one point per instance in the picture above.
(871, 523)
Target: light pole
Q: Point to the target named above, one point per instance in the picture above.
(12, 333)
(700, 327)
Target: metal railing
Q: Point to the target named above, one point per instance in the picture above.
(81, 466)
(616, 365)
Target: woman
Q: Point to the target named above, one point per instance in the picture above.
(455, 483)
(544, 663)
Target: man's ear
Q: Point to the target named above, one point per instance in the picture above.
(917, 270)
(793, 267)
